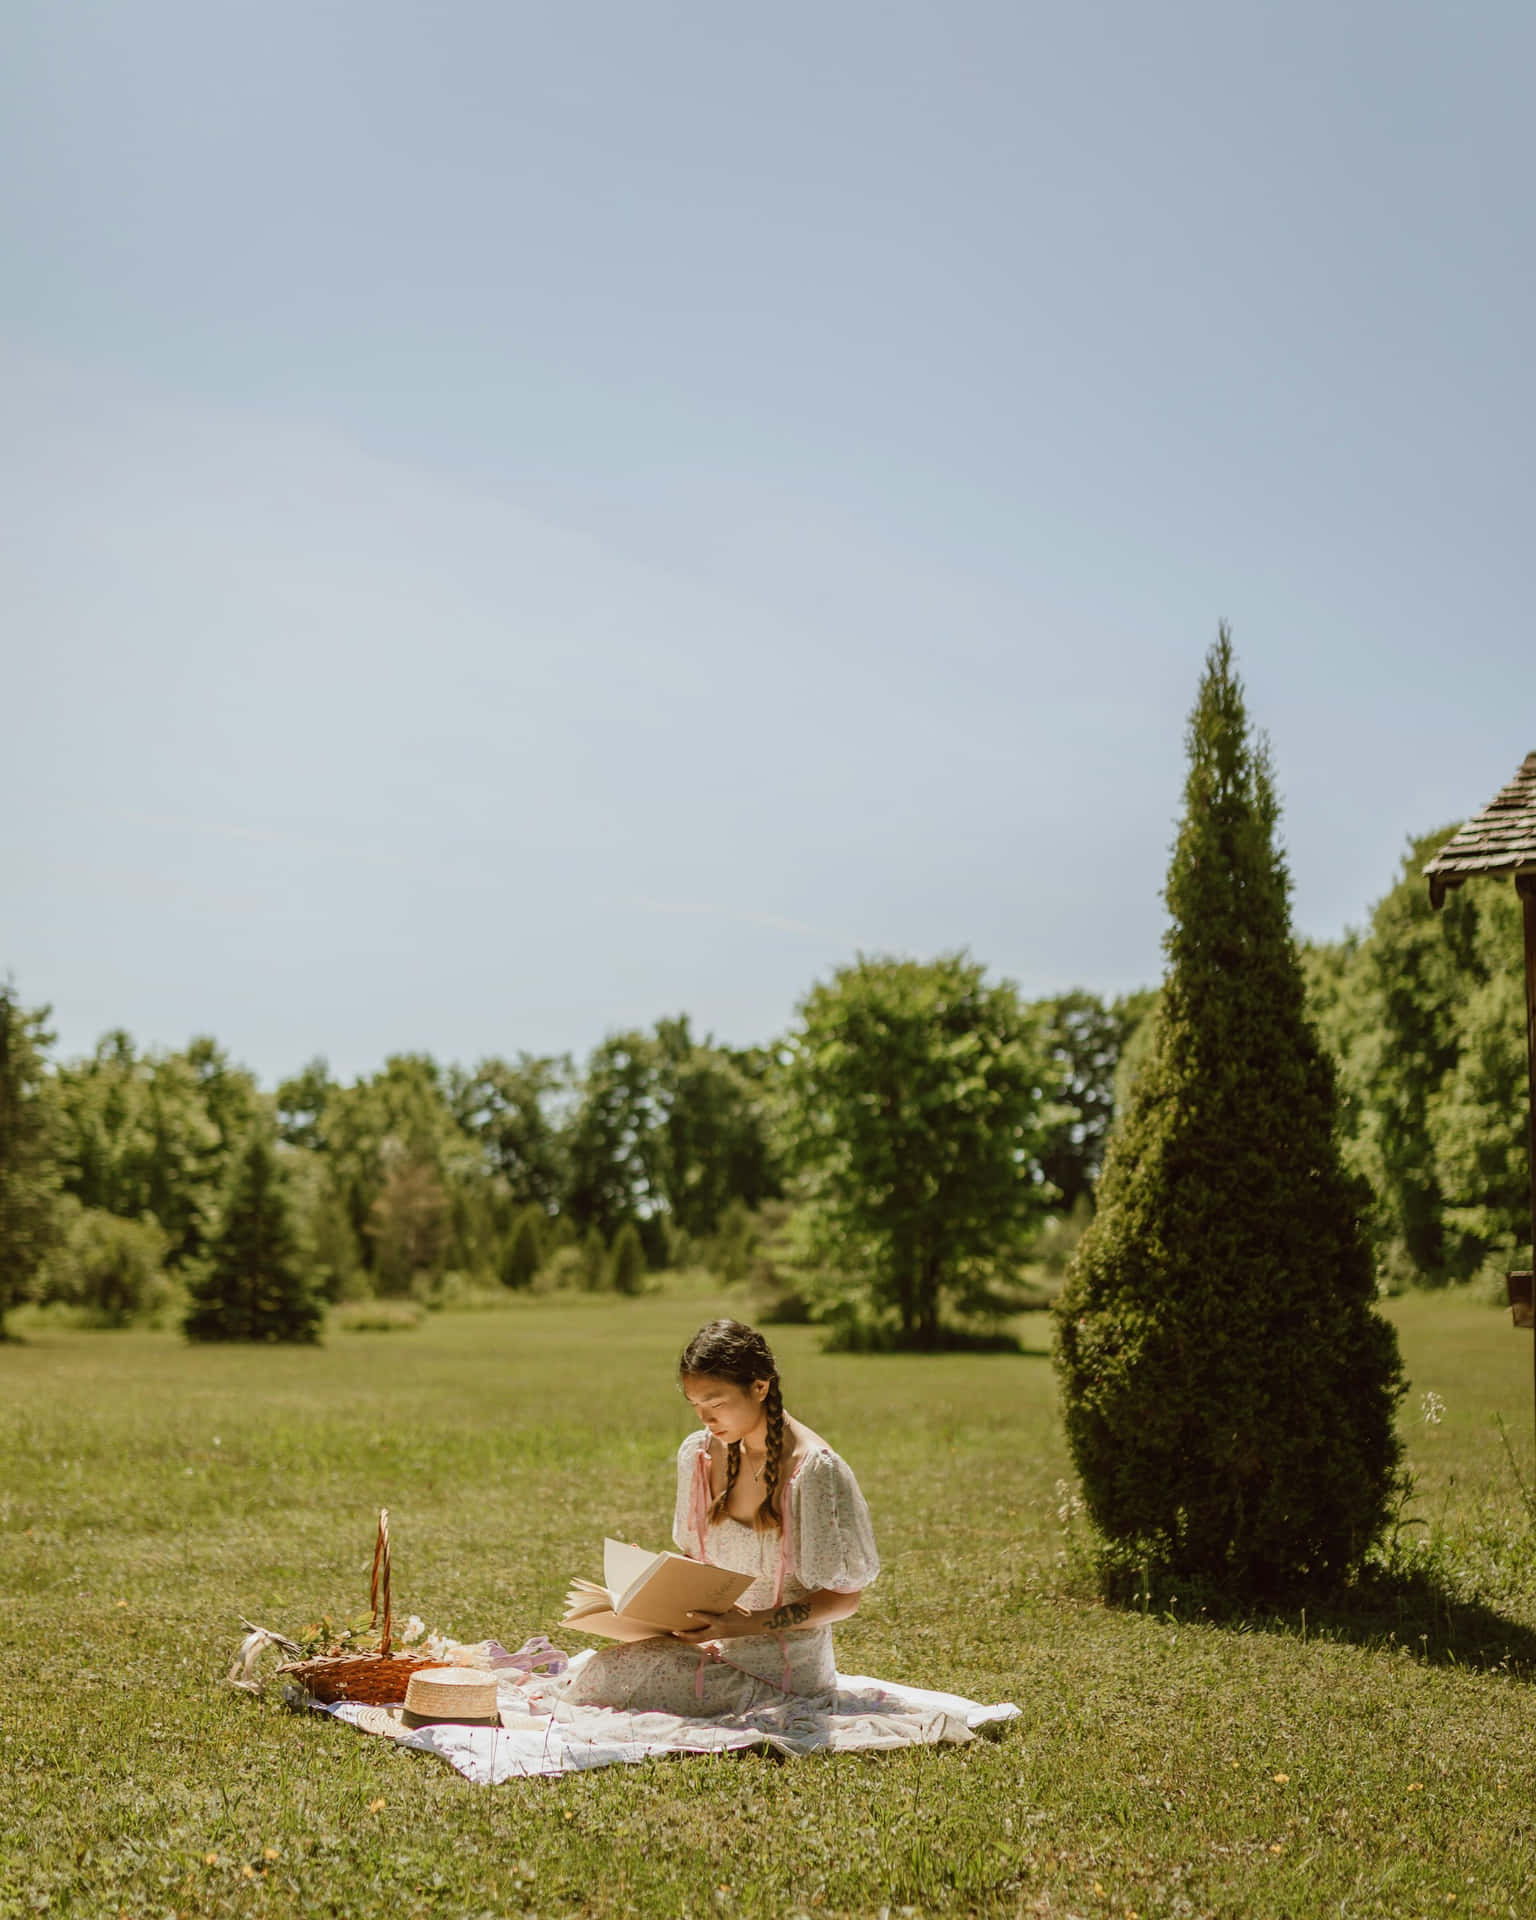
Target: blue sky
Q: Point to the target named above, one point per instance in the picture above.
(522, 520)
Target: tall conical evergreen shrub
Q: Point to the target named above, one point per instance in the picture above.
(626, 1264)
(594, 1259)
(1229, 1389)
(523, 1253)
(253, 1287)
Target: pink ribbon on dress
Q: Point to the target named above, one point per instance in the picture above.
(698, 1520)
(698, 1509)
(710, 1655)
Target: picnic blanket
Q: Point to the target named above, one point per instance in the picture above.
(543, 1734)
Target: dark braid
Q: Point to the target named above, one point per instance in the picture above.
(729, 1350)
(767, 1514)
(722, 1499)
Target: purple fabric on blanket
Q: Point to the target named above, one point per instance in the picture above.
(533, 1656)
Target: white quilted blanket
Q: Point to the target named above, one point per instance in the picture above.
(542, 1734)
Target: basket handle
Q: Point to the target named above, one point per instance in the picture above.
(381, 1576)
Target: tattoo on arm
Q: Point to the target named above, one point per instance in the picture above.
(793, 1614)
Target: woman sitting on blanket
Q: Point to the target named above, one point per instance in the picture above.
(759, 1493)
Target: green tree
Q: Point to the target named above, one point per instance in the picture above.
(29, 1171)
(411, 1178)
(1085, 1037)
(408, 1226)
(666, 1132)
(1229, 1389)
(301, 1103)
(523, 1253)
(252, 1287)
(329, 1254)
(712, 1118)
(1477, 1113)
(1423, 1014)
(516, 1111)
(154, 1134)
(915, 1101)
(616, 1142)
(1418, 966)
(626, 1264)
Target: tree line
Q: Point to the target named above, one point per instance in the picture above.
(918, 1138)
(663, 1148)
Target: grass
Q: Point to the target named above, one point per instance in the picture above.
(1379, 1761)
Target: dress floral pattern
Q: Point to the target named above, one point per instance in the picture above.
(827, 1541)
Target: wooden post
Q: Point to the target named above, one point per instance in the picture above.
(1525, 886)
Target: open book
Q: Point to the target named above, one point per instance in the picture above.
(649, 1593)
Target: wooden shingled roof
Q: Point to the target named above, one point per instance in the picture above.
(1499, 840)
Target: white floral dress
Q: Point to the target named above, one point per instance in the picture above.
(827, 1541)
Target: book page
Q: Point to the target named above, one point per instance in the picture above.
(650, 1593)
(623, 1567)
(609, 1625)
(674, 1589)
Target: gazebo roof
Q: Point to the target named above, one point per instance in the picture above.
(1499, 840)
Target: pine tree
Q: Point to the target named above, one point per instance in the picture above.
(626, 1267)
(253, 1287)
(523, 1253)
(1229, 1389)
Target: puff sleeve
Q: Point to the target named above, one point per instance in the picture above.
(833, 1540)
(685, 1530)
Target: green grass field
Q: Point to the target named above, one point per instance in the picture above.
(1375, 1762)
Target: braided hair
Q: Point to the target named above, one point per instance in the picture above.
(729, 1350)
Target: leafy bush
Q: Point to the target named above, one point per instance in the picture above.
(1229, 1389)
(565, 1271)
(458, 1292)
(111, 1269)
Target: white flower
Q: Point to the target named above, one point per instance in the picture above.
(1433, 1409)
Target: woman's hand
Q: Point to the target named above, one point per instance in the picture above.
(730, 1625)
(822, 1609)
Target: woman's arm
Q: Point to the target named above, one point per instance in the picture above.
(823, 1609)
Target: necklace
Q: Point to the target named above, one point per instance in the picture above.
(756, 1472)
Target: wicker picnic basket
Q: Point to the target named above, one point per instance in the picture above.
(372, 1679)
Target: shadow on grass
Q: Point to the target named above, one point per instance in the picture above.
(851, 1330)
(1386, 1611)
(1414, 1611)
(1007, 1348)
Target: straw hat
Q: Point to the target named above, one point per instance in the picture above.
(457, 1694)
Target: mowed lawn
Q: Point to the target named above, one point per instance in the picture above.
(150, 1494)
